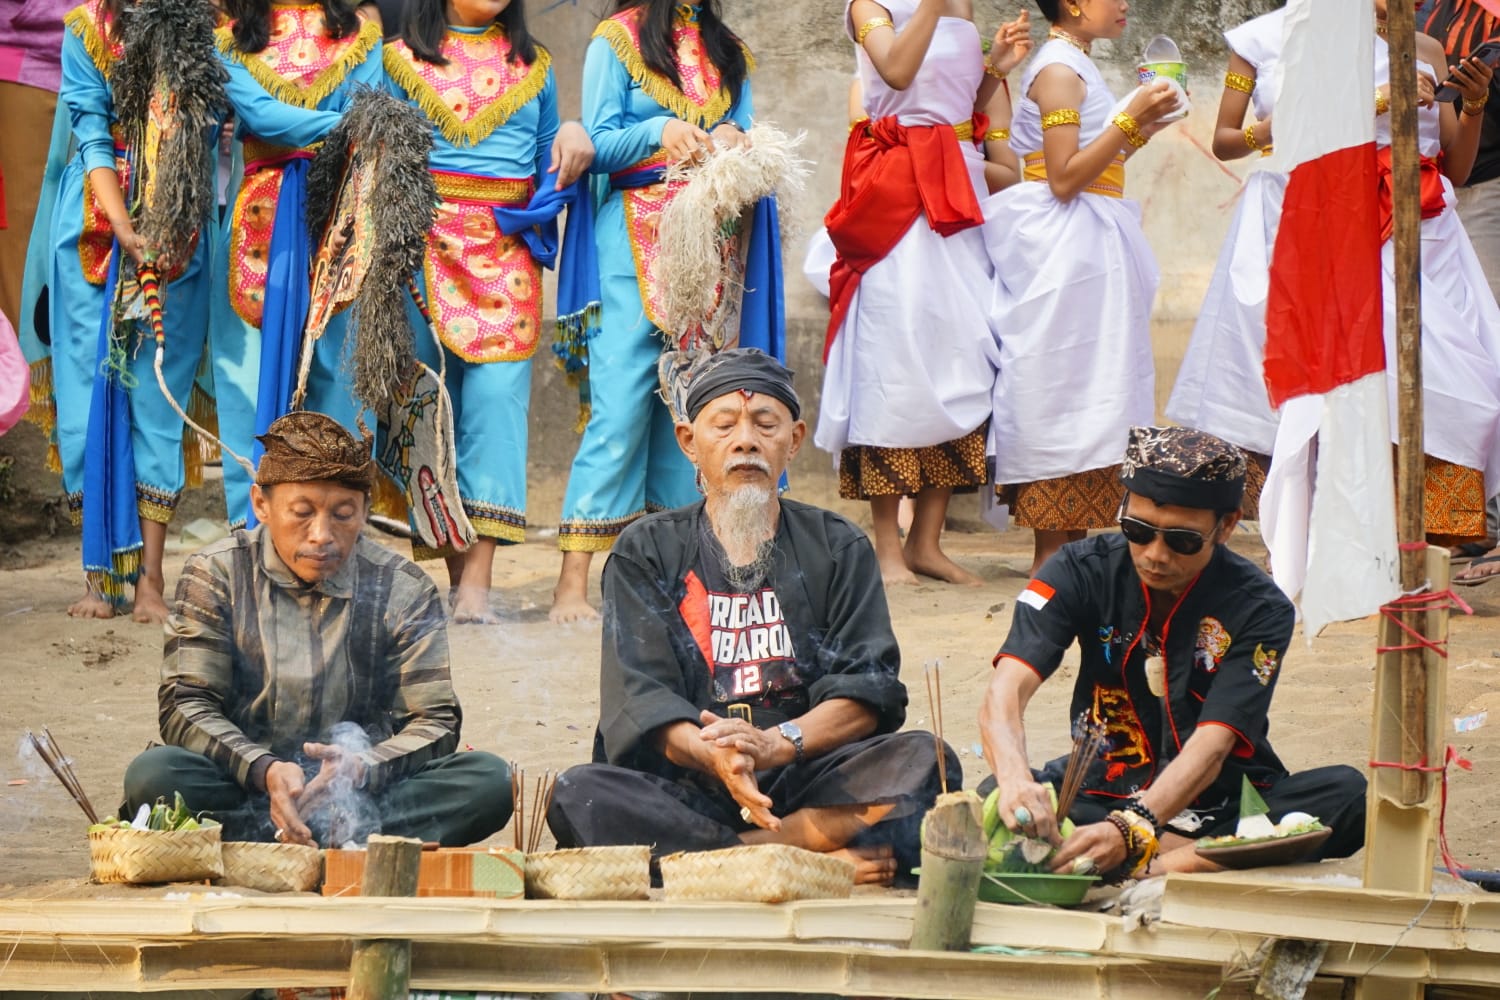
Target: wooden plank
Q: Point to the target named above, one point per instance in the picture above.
(1315, 912)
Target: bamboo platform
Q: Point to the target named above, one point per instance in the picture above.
(846, 948)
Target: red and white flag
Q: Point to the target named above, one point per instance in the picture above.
(1328, 511)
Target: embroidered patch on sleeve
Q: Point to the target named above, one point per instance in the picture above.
(1266, 662)
(1036, 595)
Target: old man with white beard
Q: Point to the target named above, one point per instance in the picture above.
(749, 688)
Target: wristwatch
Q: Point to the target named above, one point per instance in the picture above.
(793, 732)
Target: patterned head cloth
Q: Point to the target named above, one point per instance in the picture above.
(308, 447)
(742, 369)
(1184, 468)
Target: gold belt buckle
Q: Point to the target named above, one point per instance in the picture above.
(740, 710)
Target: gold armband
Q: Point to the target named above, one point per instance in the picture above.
(1063, 116)
(1132, 129)
(1250, 139)
(1238, 81)
(997, 135)
(991, 71)
(1382, 104)
(869, 26)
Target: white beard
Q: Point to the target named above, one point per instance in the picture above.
(744, 523)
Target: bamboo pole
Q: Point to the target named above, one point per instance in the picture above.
(380, 969)
(953, 852)
(1406, 184)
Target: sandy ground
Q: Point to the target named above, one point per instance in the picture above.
(529, 688)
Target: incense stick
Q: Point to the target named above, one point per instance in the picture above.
(1088, 740)
(52, 755)
(932, 673)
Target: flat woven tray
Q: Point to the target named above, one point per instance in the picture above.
(146, 856)
(762, 873)
(272, 867)
(590, 873)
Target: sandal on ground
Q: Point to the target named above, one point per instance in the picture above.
(1481, 570)
(1467, 552)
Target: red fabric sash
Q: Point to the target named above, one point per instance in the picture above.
(1433, 202)
(893, 175)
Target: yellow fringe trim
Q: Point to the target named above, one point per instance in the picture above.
(80, 21)
(585, 543)
(125, 569)
(42, 408)
(658, 87)
(198, 451)
(585, 414)
(387, 499)
(500, 531)
(325, 83)
(495, 114)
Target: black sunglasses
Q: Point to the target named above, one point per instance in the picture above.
(1183, 541)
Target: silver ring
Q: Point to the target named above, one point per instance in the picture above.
(745, 813)
(1085, 866)
(279, 833)
(1023, 816)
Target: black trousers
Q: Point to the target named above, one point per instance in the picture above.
(601, 804)
(455, 800)
(1334, 794)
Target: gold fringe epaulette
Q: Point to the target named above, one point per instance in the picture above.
(457, 131)
(288, 91)
(659, 88)
(80, 21)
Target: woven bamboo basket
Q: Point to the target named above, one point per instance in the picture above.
(762, 873)
(145, 856)
(590, 873)
(273, 867)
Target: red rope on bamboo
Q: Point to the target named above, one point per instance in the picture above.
(1451, 756)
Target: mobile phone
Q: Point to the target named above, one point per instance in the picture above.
(1488, 53)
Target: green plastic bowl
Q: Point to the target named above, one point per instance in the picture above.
(1051, 890)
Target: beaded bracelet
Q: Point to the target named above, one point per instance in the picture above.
(1476, 108)
(1132, 129)
(991, 71)
(1062, 116)
(869, 26)
(1237, 81)
(997, 135)
(1250, 139)
(1138, 806)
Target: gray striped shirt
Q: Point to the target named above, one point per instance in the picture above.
(258, 662)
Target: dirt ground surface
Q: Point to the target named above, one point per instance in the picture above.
(529, 688)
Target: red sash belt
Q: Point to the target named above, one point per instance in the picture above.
(1433, 201)
(893, 175)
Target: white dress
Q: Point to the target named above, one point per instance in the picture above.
(1221, 385)
(1071, 304)
(914, 363)
(1460, 323)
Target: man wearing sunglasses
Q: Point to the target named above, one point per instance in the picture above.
(1180, 643)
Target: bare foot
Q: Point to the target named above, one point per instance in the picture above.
(91, 605)
(872, 865)
(898, 577)
(568, 608)
(471, 606)
(937, 565)
(150, 603)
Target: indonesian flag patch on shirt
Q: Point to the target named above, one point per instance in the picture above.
(1036, 595)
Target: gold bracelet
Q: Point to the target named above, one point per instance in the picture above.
(1476, 108)
(1382, 104)
(1062, 116)
(1132, 129)
(997, 135)
(1238, 81)
(1250, 139)
(869, 26)
(991, 71)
